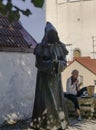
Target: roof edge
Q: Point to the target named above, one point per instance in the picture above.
(21, 50)
(85, 67)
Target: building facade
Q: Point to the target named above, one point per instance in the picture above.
(86, 68)
(75, 21)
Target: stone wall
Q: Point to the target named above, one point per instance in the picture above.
(17, 85)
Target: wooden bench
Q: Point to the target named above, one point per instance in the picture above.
(87, 107)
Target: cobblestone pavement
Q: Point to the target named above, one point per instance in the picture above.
(85, 124)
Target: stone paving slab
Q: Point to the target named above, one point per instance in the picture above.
(85, 124)
(82, 125)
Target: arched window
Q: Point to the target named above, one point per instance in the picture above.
(76, 53)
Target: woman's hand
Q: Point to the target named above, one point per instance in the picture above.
(80, 84)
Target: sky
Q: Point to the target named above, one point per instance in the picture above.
(35, 23)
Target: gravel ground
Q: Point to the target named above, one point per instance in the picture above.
(85, 124)
(19, 125)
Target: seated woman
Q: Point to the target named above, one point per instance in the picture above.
(73, 90)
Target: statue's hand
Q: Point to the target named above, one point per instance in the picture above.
(55, 61)
(55, 66)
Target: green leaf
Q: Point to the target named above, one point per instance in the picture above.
(3, 10)
(37, 3)
(13, 15)
(9, 6)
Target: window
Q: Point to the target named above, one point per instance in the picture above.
(61, 1)
(69, 1)
(74, 1)
(80, 78)
(94, 82)
(76, 53)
